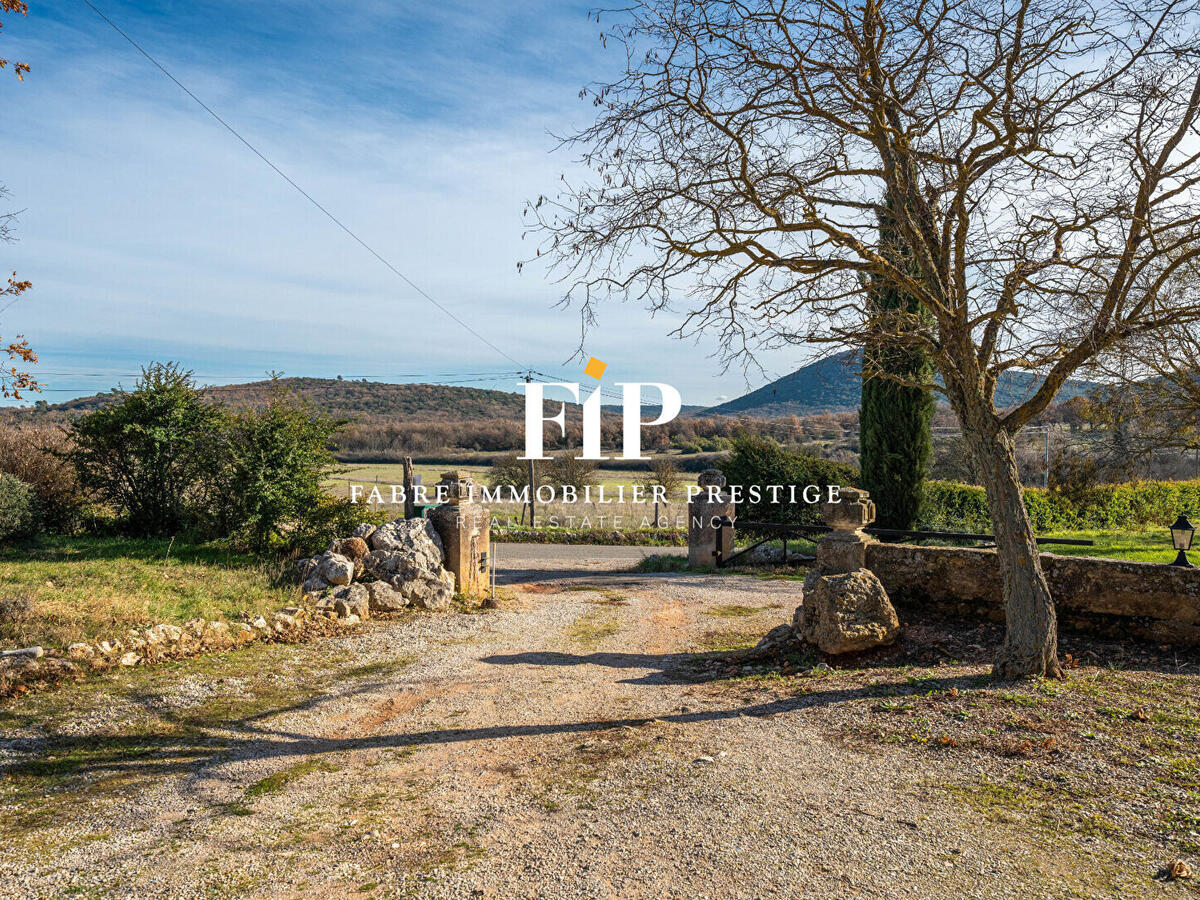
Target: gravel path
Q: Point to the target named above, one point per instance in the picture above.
(575, 743)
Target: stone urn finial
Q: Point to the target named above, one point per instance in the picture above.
(711, 478)
(458, 486)
(853, 511)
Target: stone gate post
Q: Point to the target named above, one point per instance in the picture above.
(705, 537)
(844, 549)
(465, 529)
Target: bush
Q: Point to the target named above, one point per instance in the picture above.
(273, 466)
(963, 507)
(17, 508)
(169, 461)
(761, 461)
(151, 453)
(37, 456)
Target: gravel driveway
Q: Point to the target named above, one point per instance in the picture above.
(585, 740)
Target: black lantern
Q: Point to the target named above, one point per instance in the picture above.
(1181, 538)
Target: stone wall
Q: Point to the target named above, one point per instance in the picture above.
(1105, 596)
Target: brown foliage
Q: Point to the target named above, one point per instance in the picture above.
(34, 454)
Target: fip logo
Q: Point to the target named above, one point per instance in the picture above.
(631, 402)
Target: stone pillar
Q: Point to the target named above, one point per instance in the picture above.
(704, 510)
(465, 529)
(845, 548)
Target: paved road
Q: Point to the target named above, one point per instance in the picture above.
(579, 552)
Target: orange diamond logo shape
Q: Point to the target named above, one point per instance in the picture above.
(595, 368)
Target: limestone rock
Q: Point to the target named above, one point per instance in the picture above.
(130, 659)
(779, 636)
(80, 651)
(353, 599)
(383, 597)
(364, 531)
(336, 569)
(353, 548)
(846, 613)
(28, 652)
(242, 633)
(413, 537)
(430, 590)
(216, 636)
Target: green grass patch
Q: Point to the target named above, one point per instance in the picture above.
(1137, 544)
(88, 588)
(593, 627)
(276, 782)
(735, 610)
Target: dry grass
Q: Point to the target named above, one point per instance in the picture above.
(81, 588)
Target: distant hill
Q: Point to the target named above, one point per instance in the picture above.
(363, 400)
(834, 384)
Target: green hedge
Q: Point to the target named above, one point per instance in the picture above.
(963, 507)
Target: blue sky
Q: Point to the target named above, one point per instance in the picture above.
(149, 232)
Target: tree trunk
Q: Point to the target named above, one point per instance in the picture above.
(1031, 639)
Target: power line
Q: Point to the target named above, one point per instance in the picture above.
(336, 221)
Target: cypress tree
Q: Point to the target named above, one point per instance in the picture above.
(893, 436)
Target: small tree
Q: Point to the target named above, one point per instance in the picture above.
(273, 469)
(897, 406)
(663, 474)
(565, 469)
(151, 453)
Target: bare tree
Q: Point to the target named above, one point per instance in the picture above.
(12, 379)
(1039, 156)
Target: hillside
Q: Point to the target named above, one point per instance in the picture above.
(362, 400)
(834, 385)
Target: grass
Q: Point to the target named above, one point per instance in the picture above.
(594, 626)
(86, 588)
(1152, 544)
(277, 781)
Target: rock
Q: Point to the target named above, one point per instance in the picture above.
(216, 636)
(383, 597)
(284, 621)
(364, 531)
(408, 557)
(846, 613)
(1179, 869)
(135, 640)
(130, 659)
(703, 760)
(194, 627)
(242, 633)
(429, 590)
(414, 537)
(25, 652)
(260, 624)
(314, 584)
(779, 636)
(164, 634)
(353, 548)
(307, 567)
(353, 599)
(80, 651)
(349, 620)
(336, 569)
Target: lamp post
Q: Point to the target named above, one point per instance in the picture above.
(1181, 538)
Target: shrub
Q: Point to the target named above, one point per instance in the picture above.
(761, 461)
(150, 453)
(272, 468)
(963, 507)
(37, 456)
(17, 508)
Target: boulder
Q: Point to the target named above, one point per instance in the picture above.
(130, 659)
(429, 590)
(384, 597)
(364, 531)
(336, 569)
(413, 537)
(216, 636)
(846, 613)
(353, 548)
(353, 599)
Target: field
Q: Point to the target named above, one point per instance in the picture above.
(65, 589)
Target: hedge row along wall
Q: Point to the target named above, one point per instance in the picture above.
(964, 507)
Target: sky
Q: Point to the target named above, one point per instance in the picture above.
(150, 233)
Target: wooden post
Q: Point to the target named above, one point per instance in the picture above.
(532, 495)
(410, 508)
